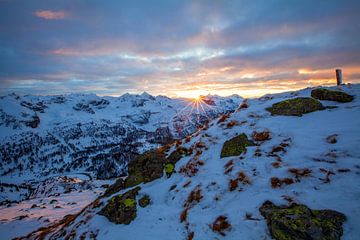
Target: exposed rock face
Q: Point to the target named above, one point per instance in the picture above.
(235, 146)
(145, 168)
(330, 95)
(298, 222)
(295, 107)
(176, 155)
(115, 187)
(121, 209)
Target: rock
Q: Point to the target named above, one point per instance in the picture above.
(121, 209)
(145, 168)
(298, 222)
(330, 95)
(144, 201)
(235, 146)
(114, 188)
(332, 139)
(295, 107)
(34, 122)
(176, 155)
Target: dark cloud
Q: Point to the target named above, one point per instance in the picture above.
(111, 47)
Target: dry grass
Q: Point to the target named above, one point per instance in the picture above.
(231, 124)
(220, 225)
(183, 216)
(223, 118)
(194, 197)
(278, 182)
(261, 136)
(305, 172)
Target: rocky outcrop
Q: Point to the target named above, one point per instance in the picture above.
(121, 209)
(330, 95)
(236, 146)
(298, 222)
(295, 107)
(145, 168)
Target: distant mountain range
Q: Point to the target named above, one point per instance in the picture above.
(48, 135)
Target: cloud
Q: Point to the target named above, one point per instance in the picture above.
(51, 15)
(223, 47)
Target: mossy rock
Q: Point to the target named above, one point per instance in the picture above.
(114, 188)
(330, 95)
(145, 168)
(121, 209)
(144, 201)
(236, 146)
(296, 107)
(298, 222)
(176, 155)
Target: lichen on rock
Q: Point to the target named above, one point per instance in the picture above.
(121, 209)
(236, 146)
(176, 155)
(298, 222)
(330, 95)
(295, 107)
(145, 168)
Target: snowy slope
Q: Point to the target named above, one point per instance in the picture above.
(296, 142)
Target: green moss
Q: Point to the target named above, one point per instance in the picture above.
(169, 168)
(300, 222)
(295, 107)
(129, 202)
(236, 146)
(121, 209)
(325, 94)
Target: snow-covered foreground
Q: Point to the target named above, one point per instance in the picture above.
(296, 143)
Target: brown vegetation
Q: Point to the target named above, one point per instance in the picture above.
(278, 182)
(220, 225)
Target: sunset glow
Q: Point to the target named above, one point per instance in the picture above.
(177, 49)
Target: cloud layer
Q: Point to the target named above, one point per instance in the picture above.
(176, 47)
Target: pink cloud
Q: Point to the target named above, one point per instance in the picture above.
(51, 15)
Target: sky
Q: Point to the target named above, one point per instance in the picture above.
(176, 48)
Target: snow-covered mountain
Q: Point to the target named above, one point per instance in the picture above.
(269, 169)
(43, 136)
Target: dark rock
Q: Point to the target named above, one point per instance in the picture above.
(114, 188)
(330, 95)
(176, 155)
(121, 209)
(235, 146)
(34, 122)
(144, 201)
(298, 222)
(332, 139)
(145, 168)
(295, 107)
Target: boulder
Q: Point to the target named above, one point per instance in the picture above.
(145, 168)
(176, 155)
(295, 107)
(121, 209)
(298, 222)
(144, 201)
(330, 95)
(236, 146)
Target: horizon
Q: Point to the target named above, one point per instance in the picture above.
(176, 48)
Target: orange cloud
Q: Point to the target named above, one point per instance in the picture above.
(51, 15)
